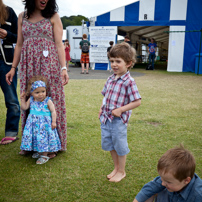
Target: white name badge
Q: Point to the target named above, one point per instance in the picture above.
(45, 53)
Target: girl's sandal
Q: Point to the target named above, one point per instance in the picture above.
(36, 155)
(42, 159)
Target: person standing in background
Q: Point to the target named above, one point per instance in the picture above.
(127, 40)
(111, 43)
(152, 47)
(67, 55)
(8, 36)
(84, 46)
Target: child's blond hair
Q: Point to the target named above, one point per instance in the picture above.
(124, 51)
(32, 80)
(179, 162)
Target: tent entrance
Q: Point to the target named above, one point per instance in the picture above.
(140, 37)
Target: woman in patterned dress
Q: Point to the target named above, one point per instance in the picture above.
(40, 51)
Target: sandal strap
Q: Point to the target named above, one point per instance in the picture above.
(45, 157)
(42, 160)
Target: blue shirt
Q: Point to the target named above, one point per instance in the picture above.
(152, 47)
(191, 193)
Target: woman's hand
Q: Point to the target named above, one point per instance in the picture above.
(3, 33)
(10, 75)
(65, 77)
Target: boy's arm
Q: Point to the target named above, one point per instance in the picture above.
(24, 105)
(132, 105)
(149, 189)
(103, 93)
(53, 113)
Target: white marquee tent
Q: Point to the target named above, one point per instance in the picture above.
(150, 18)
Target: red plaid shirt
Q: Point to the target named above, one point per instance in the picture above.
(118, 93)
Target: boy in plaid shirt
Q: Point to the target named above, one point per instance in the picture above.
(120, 97)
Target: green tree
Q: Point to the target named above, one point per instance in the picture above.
(72, 20)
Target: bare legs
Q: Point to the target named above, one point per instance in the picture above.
(82, 67)
(87, 67)
(116, 164)
(119, 167)
(67, 65)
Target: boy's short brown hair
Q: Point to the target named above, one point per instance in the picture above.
(179, 162)
(124, 51)
(84, 36)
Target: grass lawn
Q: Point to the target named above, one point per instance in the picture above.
(170, 114)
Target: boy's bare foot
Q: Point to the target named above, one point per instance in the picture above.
(118, 177)
(112, 174)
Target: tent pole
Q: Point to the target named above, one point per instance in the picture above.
(199, 53)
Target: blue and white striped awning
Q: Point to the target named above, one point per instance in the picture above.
(179, 15)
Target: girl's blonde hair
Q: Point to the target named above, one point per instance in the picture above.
(32, 80)
(125, 52)
(3, 12)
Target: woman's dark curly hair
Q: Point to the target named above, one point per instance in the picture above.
(48, 12)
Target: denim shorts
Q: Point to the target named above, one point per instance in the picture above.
(114, 136)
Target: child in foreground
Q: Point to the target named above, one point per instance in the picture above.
(40, 134)
(120, 97)
(177, 181)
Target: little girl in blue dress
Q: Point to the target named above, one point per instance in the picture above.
(40, 134)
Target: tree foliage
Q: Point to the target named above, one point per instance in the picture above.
(72, 20)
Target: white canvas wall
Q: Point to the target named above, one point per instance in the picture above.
(118, 14)
(146, 7)
(178, 10)
(176, 49)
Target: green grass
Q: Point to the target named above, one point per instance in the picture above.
(170, 114)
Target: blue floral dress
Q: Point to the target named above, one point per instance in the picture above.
(38, 135)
